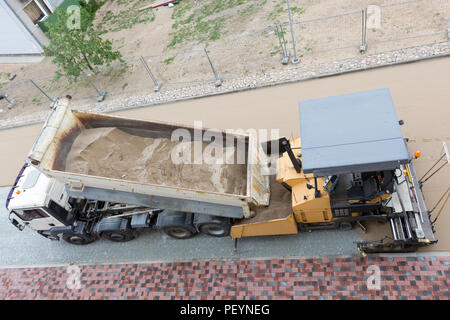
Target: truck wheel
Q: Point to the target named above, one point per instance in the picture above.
(179, 232)
(212, 225)
(215, 229)
(77, 239)
(118, 236)
(176, 224)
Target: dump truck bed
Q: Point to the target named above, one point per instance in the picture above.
(89, 150)
(146, 156)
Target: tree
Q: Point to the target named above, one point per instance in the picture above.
(75, 44)
(91, 6)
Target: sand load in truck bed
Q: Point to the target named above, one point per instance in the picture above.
(121, 153)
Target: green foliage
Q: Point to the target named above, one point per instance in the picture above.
(181, 9)
(199, 23)
(280, 12)
(297, 11)
(275, 51)
(280, 32)
(126, 18)
(169, 60)
(52, 18)
(275, 12)
(75, 50)
(91, 6)
(216, 6)
(248, 10)
(36, 101)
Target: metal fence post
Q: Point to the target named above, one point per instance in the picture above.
(101, 95)
(218, 80)
(157, 84)
(295, 60)
(280, 33)
(11, 103)
(45, 94)
(363, 46)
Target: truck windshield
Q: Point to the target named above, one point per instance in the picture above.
(30, 214)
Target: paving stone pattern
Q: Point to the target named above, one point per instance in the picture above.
(411, 278)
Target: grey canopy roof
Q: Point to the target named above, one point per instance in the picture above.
(355, 132)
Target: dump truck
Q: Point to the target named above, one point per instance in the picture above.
(91, 176)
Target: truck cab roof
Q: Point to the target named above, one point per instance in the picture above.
(30, 189)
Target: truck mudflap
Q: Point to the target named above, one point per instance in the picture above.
(410, 221)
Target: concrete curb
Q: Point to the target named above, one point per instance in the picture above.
(370, 256)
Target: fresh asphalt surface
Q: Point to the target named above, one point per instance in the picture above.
(28, 248)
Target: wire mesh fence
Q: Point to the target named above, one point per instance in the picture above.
(255, 52)
(343, 34)
(385, 27)
(410, 23)
(182, 69)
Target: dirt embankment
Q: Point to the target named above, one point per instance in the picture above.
(236, 46)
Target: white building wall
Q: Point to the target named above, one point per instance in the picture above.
(36, 32)
(15, 39)
(54, 3)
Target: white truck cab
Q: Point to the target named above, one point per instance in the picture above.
(37, 201)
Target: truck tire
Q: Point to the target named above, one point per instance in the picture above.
(176, 224)
(115, 229)
(78, 239)
(179, 232)
(77, 234)
(118, 235)
(212, 226)
(215, 229)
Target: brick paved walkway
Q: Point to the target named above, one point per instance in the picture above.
(326, 278)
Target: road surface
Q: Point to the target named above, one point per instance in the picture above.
(422, 100)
